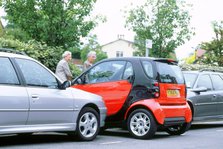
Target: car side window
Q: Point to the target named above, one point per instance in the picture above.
(7, 72)
(128, 71)
(217, 82)
(148, 68)
(36, 75)
(106, 72)
(204, 81)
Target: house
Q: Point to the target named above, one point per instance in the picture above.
(119, 48)
(200, 53)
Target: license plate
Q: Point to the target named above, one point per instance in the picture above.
(173, 93)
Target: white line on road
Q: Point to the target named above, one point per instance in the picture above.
(114, 142)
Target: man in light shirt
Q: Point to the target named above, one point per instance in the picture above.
(90, 59)
(62, 69)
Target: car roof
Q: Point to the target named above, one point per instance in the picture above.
(202, 72)
(190, 71)
(6, 54)
(142, 58)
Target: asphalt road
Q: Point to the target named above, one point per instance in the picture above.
(198, 137)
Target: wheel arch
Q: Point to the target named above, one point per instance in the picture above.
(129, 111)
(191, 107)
(93, 106)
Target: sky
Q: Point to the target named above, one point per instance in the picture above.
(203, 13)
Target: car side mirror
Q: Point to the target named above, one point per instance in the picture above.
(77, 81)
(199, 89)
(65, 85)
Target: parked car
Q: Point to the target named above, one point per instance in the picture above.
(205, 94)
(33, 99)
(142, 94)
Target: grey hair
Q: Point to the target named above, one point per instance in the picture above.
(91, 53)
(66, 53)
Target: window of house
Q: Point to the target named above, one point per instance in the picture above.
(119, 53)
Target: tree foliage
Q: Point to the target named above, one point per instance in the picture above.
(197, 67)
(55, 22)
(165, 22)
(214, 48)
(49, 56)
(15, 33)
(92, 45)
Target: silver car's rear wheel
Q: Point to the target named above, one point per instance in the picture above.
(141, 124)
(88, 124)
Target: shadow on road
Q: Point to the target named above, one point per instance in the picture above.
(205, 126)
(116, 132)
(15, 140)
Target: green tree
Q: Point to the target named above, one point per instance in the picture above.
(165, 22)
(214, 48)
(55, 22)
(15, 33)
(92, 45)
(76, 52)
(1, 28)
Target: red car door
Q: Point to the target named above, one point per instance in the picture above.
(107, 79)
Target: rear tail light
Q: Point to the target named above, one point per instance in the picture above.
(156, 89)
(156, 94)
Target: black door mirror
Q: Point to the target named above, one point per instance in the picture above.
(65, 85)
(77, 81)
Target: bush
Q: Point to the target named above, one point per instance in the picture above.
(74, 70)
(200, 67)
(47, 55)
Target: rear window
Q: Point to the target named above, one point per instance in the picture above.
(169, 73)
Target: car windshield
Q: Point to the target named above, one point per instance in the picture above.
(190, 79)
(170, 73)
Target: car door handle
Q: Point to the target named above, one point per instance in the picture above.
(214, 96)
(35, 97)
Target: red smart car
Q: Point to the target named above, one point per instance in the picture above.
(144, 94)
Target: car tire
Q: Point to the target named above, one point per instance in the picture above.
(141, 124)
(88, 124)
(178, 130)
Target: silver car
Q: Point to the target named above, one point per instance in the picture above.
(33, 99)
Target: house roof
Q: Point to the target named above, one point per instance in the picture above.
(116, 41)
(200, 52)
